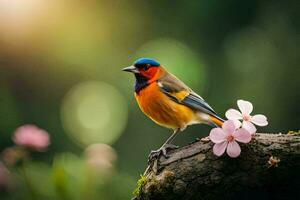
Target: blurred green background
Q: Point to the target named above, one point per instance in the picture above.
(60, 68)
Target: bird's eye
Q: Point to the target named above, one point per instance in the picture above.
(147, 66)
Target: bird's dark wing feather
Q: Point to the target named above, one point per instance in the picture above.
(180, 93)
(197, 103)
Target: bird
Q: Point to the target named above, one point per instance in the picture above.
(168, 102)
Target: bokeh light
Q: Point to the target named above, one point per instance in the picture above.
(94, 112)
(177, 57)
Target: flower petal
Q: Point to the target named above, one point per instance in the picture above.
(249, 127)
(259, 120)
(32, 137)
(217, 135)
(237, 123)
(228, 127)
(233, 149)
(242, 135)
(219, 148)
(233, 114)
(246, 107)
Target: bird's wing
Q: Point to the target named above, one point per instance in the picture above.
(180, 93)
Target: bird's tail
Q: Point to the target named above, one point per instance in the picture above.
(216, 120)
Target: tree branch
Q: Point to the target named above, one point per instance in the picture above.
(268, 167)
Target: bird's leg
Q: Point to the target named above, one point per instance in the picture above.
(164, 148)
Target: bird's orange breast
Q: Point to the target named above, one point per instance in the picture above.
(162, 110)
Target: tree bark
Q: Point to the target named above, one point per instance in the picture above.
(268, 168)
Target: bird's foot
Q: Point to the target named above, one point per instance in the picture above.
(161, 151)
(205, 139)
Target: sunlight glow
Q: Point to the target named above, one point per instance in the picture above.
(17, 16)
(18, 7)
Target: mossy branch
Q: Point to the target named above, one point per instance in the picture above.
(269, 168)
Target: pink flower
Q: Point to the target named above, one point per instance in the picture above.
(246, 108)
(227, 137)
(32, 137)
(100, 158)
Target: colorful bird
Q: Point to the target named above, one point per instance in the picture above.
(168, 101)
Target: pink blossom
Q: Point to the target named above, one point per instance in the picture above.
(227, 138)
(248, 120)
(32, 137)
(100, 158)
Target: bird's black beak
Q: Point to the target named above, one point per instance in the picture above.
(131, 69)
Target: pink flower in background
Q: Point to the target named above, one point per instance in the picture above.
(227, 137)
(100, 158)
(32, 137)
(246, 108)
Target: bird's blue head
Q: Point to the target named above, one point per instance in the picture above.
(146, 61)
(142, 65)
